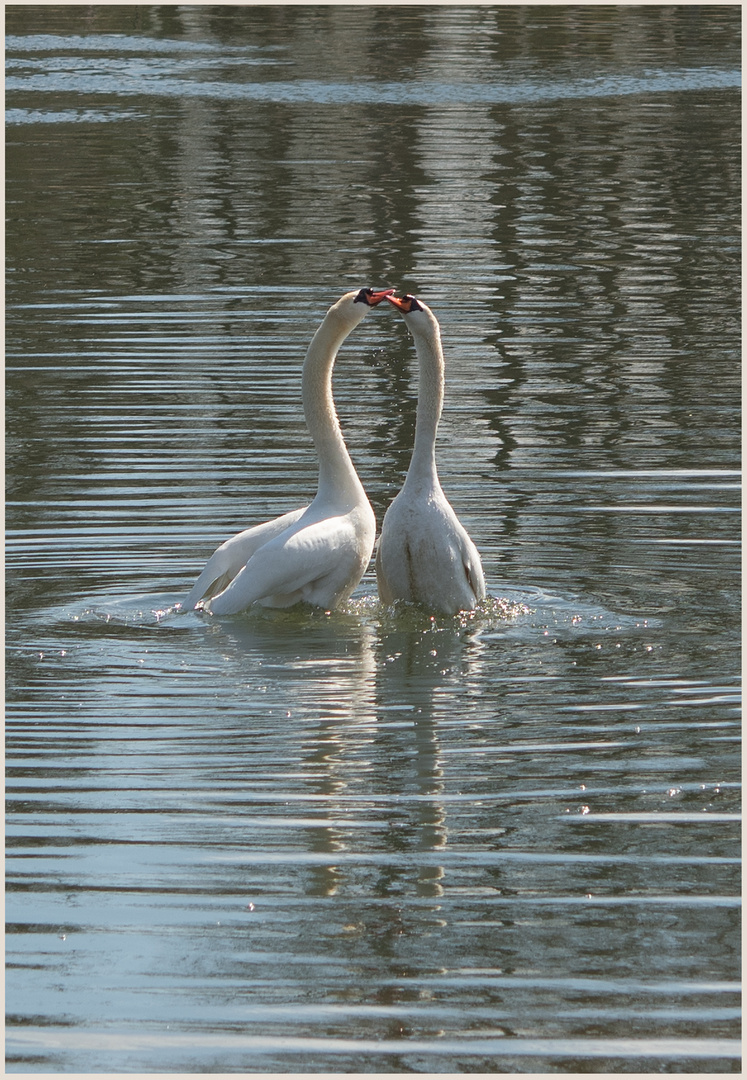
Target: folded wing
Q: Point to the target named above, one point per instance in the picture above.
(320, 563)
(231, 557)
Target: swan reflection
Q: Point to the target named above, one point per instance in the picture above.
(417, 670)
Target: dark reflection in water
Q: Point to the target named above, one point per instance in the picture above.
(372, 840)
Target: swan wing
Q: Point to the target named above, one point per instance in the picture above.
(233, 555)
(473, 570)
(387, 594)
(320, 563)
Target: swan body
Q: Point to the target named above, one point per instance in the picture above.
(425, 554)
(319, 552)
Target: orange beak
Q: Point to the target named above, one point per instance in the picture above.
(373, 297)
(402, 303)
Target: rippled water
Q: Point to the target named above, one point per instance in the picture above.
(373, 840)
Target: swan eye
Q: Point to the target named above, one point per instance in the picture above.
(414, 305)
(363, 296)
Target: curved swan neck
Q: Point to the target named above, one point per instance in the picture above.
(337, 475)
(430, 402)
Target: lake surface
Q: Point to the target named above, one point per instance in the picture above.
(373, 840)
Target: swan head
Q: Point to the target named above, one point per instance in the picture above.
(406, 304)
(350, 308)
(420, 320)
(371, 297)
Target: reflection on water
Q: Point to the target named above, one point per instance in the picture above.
(374, 840)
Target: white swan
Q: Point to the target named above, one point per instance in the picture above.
(320, 552)
(425, 554)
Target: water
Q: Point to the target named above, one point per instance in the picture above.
(372, 840)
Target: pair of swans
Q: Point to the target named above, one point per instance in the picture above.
(320, 552)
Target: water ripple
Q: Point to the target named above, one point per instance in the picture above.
(424, 95)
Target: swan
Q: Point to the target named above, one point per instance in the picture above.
(425, 554)
(319, 552)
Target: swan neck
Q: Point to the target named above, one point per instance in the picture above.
(430, 404)
(337, 475)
